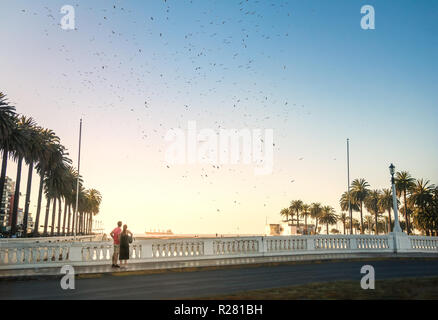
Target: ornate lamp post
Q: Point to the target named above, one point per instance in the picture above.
(394, 200)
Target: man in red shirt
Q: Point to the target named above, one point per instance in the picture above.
(115, 235)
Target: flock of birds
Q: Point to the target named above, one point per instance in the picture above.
(164, 71)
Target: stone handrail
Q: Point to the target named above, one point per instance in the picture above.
(18, 255)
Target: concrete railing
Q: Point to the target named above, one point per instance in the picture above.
(52, 239)
(18, 255)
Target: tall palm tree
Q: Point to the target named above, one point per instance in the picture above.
(344, 203)
(372, 205)
(386, 203)
(359, 191)
(422, 198)
(22, 131)
(403, 183)
(305, 212)
(94, 199)
(328, 216)
(426, 209)
(48, 147)
(296, 206)
(31, 155)
(343, 217)
(421, 193)
(7, 123)
(54, 181)
(315, 213)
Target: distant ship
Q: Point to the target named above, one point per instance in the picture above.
(159, 233)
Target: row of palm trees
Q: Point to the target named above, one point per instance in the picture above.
(21, 139)
(419, 198)
(323, 214)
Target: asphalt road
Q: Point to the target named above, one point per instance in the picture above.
(181, 285)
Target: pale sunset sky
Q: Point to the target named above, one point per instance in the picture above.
(305, 69)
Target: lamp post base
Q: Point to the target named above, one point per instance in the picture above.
(402, 243)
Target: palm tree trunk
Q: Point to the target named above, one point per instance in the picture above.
(406, 212)
(28, 190)
(361, 219)
(16, 196)
(65, 216)
(73, 223)
(59, 216)
(389, 215)
(91, 223)
(316, 225)
(327, 229)
(46, 219)
(69, 218)
(40, 194)
(298, 221)
(344, 226)
(305, 222)
(52, 231)
(377, 232)
(80, 223)
(2, 182)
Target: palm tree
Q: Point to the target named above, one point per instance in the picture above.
(296, 206)
(285, 213)
(54, 181)
(328, 216)
(94, 199)
(386, 203)
(31, 155)
(7, 123)
(403, 183)
(359, 191)
(49, 143)
(305, 212)
(421, 197)
(426, 212)
(372, 205)
(355, 223)
(22, 132)
(421, 194)
(315, 213)
(369, 223)
(344, 219)
(344, 203)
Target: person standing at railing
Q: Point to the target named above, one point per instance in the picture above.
(125, 238)
(115, 234)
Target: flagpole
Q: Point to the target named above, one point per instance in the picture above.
(77, 181)
(348, 192)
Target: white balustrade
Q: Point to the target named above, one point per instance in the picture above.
(421, 243)
(20, 254)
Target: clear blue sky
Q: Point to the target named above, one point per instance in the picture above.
(302, 68)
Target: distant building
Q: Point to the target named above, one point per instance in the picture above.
(6, 202)
(287, 229)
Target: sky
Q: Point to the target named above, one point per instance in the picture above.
(134, 70)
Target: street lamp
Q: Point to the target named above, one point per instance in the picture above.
(394, 200)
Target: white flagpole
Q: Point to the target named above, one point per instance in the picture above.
(77, 182)
(348, 192)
